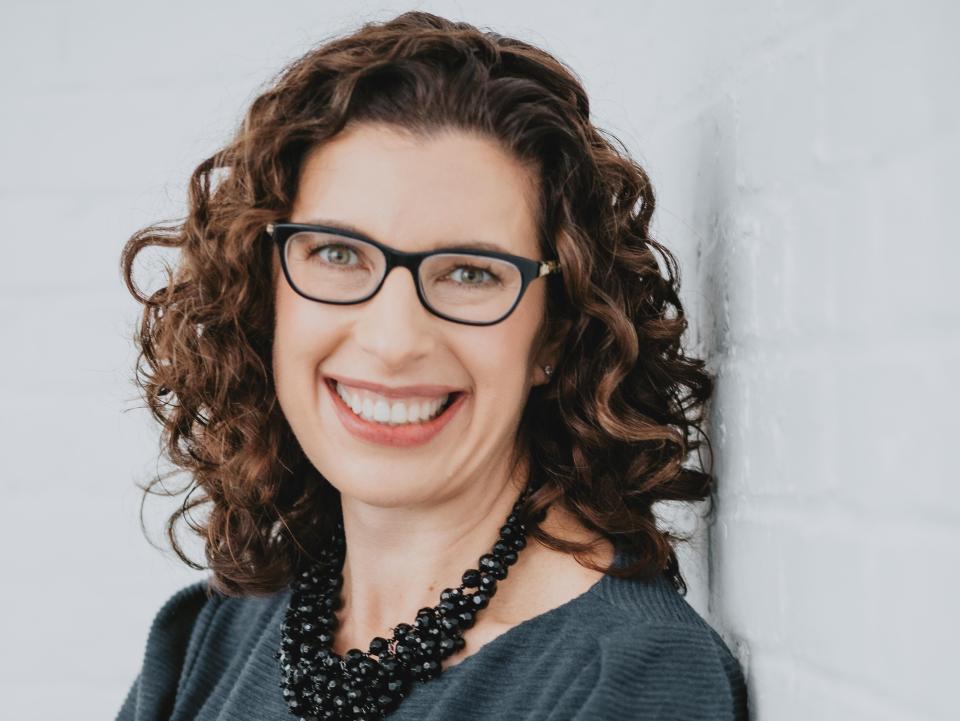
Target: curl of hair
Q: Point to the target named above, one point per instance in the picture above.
(607, 437)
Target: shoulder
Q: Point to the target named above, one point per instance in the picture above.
(197, 632)
(196, 618)
(191, 612)
(179, 612)
(168, 639)
(658, 659)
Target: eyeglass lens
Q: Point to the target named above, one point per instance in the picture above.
(465, 286)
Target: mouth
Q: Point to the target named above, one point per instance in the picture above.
(398, 424)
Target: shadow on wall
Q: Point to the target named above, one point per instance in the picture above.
(724, 288)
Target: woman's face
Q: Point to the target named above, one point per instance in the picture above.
(413, 195)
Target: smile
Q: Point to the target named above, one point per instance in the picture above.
(393, 421)
(380, 409)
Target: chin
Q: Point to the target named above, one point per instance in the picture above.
(385, 489)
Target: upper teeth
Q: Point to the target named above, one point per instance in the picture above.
(374, 407)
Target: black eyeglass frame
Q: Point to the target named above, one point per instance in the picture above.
(529, 269)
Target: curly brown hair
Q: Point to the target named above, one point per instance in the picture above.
(607, 440)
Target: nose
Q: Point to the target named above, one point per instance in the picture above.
(393, 326)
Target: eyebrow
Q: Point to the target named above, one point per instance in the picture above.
(341, 225)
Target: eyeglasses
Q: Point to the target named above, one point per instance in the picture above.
(460, 284)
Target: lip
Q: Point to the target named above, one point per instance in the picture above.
(401, 436)
(399, 392)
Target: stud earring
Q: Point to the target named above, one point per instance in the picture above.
(548, 370)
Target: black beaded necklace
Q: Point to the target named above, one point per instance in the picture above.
(318, 683)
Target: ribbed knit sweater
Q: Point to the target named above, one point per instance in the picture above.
(623, 650)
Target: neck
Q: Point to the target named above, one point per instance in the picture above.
(399, 559)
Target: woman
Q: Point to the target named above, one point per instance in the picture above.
(428, 488)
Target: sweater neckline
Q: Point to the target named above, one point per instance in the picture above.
(509, 636)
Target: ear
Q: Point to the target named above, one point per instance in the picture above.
(550, 346)
(547, 357)
(540, 376)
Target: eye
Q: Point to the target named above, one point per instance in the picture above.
(469, 274)
(340, 252)
(473, 275)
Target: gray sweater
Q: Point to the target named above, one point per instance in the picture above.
(621, 651)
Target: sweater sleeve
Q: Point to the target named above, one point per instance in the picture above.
(129, 708)
(166, 658)
(666, 672)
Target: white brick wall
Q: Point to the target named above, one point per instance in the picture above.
(805, 173)
(803, 154)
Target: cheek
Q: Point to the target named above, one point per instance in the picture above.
(304, 333)
(499, 356)
(523, 325)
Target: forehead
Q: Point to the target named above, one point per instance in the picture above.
(417, 193)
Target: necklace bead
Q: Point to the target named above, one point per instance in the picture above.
(318, 683)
